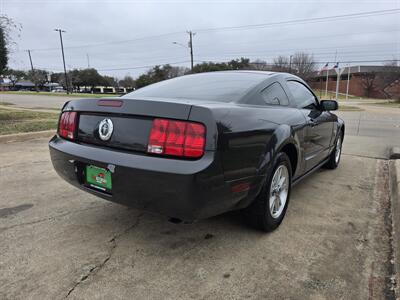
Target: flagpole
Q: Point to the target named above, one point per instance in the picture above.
(337, 82)
(348, 82)
(326, 86)
(339, 74)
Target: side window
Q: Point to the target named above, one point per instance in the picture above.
(275, 95)
(302, 96)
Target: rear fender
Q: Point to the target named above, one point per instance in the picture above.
(282, 136)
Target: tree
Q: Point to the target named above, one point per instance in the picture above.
(3, 51)
(143, 80)
(127, 82)
(239, 64)
(260, 65)
(15, 75)
(368, 82)
(389, 78)
(281, 64)
(109, 81)
(303, 65)
(39, 77)
(90, 77)
(234, 64)
(74, 78)
(7, 25)
(158, 73)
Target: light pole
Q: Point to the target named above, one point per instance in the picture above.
(62, 51)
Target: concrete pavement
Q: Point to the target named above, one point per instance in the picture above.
(58, 242)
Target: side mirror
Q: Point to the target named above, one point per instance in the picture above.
(328, 105)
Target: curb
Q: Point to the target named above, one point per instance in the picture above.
(21, 137)
(394, 153)
(394, 182)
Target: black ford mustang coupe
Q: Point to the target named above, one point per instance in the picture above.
(200, 145)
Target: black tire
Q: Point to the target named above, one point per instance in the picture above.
(333, 163)
(258, 214)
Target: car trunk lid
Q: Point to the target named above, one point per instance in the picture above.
(131, 120)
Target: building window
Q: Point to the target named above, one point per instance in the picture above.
(344, 77)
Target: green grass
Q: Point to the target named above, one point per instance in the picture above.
(78, 95)
(332, 95)
(6, 103)
(394, 104)
(16, 121)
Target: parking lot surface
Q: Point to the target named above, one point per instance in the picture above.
(59, 242)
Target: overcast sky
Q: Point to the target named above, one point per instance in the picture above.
(122, 34)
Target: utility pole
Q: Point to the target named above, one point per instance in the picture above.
(189, 46)
(88, 64)
(33, 70)
(290, 63)
(63, 57)
(191, 34)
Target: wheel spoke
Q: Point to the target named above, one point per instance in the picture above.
(282, 181)
(279, 174)
(278, 203)
(272, 204)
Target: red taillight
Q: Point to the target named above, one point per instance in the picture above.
(177, 138)
(67, 125)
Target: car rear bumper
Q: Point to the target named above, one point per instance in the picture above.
(187, 190)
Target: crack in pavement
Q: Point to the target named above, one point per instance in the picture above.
(49, 218)
(17, 164)
(113, 241)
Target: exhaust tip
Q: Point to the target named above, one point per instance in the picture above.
(175, 220)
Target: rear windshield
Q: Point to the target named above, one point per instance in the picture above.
(218, 86)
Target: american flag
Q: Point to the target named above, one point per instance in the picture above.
(324, 68)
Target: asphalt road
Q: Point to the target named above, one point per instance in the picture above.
(35, 101)
(59, 242)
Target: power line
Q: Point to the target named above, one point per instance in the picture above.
(144, 67)
(316, 62)
(261, 52)
(253, 26)
(114, 42)
(308, 20)
(325, 36)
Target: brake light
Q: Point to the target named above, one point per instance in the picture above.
(177, 138)
(112, 103)
(67, 125)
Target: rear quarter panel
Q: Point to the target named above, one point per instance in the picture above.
(247, 137)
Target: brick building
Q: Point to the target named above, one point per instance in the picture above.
(364, 81)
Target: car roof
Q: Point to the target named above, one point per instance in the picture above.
(247, 71)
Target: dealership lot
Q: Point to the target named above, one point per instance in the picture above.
(335, 242)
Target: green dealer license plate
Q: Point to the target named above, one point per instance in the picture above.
(98, 178)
